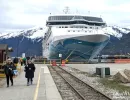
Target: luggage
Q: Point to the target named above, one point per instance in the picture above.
(15, 72)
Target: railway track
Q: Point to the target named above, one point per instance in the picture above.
(82, 89)
(65, 89)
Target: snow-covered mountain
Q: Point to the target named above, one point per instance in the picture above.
(38, 32)
(116, 31)
(119, 40)
(26, 41)
(30, 40)
(32, 33)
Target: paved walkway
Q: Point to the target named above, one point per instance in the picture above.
(43, 87)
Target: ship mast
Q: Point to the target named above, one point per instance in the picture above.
(66, 10)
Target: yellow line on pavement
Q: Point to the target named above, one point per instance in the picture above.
(37, 88)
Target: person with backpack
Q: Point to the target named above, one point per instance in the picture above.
(9, 71)
(24, 61)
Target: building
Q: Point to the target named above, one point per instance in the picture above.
(4, 54)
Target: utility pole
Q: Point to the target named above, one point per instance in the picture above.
(60, 56)
(17, 46)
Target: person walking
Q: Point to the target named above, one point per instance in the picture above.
(8, 70)
(33, 59)
(15, 61)
(24, 61)
(21, 61)
(29, 72)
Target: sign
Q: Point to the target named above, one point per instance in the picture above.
(60, 55)
(23, 55)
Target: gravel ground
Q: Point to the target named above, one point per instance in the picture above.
(93, 81)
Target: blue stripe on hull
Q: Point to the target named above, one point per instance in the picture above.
(76, 50)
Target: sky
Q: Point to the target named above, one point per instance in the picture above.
(23, 14)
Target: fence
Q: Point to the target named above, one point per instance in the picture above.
(122, 60)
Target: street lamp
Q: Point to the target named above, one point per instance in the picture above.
(60, 55)
(17, 46)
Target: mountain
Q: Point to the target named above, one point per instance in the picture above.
(119, 41)
(25, 41)
(30, 41)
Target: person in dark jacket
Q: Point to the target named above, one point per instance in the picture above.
(29, 71)
(15, 61)
(8, 69)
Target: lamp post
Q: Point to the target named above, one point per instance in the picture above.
(60, 56)
(4, 59)
(17, 46)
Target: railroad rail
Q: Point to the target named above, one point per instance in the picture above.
(84, 90)
(65, 89)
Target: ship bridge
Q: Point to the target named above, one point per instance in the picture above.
(75, 19)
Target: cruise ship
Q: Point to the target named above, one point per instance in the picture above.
(74, 36)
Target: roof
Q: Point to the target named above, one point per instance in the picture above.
(10, 49)
(75, 17)
(3, 46)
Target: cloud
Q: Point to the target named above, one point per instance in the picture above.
(20, 14)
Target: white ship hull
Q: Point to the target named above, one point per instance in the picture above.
(75, 46)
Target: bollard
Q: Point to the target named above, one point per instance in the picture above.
(50, 62)
(103, 72)
(63, 63)
(54, 63)
(44, 62)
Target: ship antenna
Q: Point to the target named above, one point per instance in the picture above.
(89, 12)
(77, 11)
(66, 10)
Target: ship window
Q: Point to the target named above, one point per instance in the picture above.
(76, 26)
(71, 27)
(81, 26)
(62, 26)
(59, 26)
(73, 31)
(85, 27)
(68, 30)
(78, 31)
(90, 27)
(85, 31)
(66, 26)
(97, 28)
